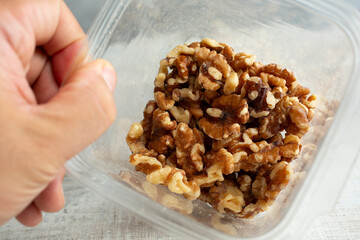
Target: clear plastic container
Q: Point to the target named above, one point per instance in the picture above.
(318, 40)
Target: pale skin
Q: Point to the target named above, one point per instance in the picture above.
(42, 125)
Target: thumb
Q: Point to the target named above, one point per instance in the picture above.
(81, 111)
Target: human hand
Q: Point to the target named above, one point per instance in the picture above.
(42, 125)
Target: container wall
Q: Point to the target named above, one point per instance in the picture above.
(283, 32)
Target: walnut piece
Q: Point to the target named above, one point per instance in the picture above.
(222, 127)
(234, 111)
(227, 196)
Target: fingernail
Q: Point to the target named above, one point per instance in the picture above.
(109, 75)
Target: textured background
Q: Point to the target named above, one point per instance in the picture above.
(86, 216)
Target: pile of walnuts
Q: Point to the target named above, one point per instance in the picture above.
(222, 128)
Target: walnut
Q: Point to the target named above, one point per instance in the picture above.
(261, 99)
(160, 78)
(279, 92)
(213, 67)
(231, 83)
(215, 112)
(226, 142)
(242, 61)
(245, 182)
(182, 65)
(163, 73)
(228, 53)
(221, 156)
(299, 91)
(212, 175)
(226, 195)
(298, 114)
(193, 107)
(146, 123)
(185, 94)
(270, 154)
(133, 138)
(162, 144)
(254, 208)
(234, 111)
(271, 180)
(211, 44)
(189, 148)
(292, 146)
(279, 178)
(163, 102)
(207, 83)
(162, 120)
(309, 102)
(276, 121)
(181, 49)
(144, 163)
(180, 114)
(280, 72)
(175, 180)
(194, 45)
(210, 96)
(255, 69)
(222, 128)
(243, 144)
(214, 73)
(171, 84)
(272, 80)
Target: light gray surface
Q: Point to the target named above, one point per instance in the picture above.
(85, 10)
(87, 216)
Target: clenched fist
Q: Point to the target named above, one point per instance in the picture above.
(41, 124)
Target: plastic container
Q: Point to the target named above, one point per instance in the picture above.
(318, 40)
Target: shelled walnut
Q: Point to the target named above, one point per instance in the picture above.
(222, 127)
